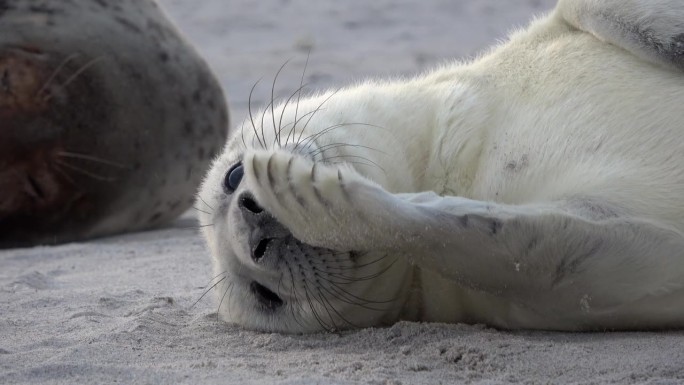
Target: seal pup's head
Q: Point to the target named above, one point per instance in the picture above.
(266, 278)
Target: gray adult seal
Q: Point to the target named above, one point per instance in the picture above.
(109, 119)
(540, 186)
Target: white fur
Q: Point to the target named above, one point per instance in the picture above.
(540, 186)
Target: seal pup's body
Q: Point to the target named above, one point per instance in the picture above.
(539, 186)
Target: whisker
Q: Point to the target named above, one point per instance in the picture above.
(299, 96)
(327, 261)
(294, 124)
(218, 275)
(293, 293)
(282, 114)
(314, 312)
(75, 155)
(381, 272)
(275, 79)
(77, 73)
(65, 175)
(251, 116)
(350, 280)
(263, 116)
(202, 211)
(384, 256)
(338, 313)
(205, 202)
(195, 227)
(218, 310)
(309, 140)
(356, 157)
(207, 291)
(85, 172)
(242, 134)
(314, 114)
(55, 73)
(333, 146)
(325, 303)
(358, 301)
(360, 164)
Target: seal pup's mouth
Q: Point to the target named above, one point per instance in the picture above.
(265, 296)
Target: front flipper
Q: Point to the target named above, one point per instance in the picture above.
(567, 258)
(322, 205)
(650, 29)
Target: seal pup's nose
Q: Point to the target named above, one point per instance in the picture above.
(248, 204)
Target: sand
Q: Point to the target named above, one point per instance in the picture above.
(119, 309)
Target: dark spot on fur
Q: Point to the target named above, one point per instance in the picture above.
(155, 217)
(672, 50)
(598, 146)
(517, 165)
(678, 46)
(164, 57)
(532, 244)
(183, 103)
(495, 226)
(464, 220)
(197, 96)
(343, 186)
(128, 25)
(102, 3)
(572, 261)
(43, 9)
(160, 30)
(592, 208)
(134, 73)
(4, 7)
(207, 130)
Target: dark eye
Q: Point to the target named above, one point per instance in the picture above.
(233, 178)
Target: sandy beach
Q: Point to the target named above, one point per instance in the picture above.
(120, 309)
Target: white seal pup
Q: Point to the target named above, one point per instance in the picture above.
(540, 186)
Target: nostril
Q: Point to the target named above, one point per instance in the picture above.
(265, 296)
(247, 203)
(260, 249)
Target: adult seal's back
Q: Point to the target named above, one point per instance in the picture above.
(108, 119)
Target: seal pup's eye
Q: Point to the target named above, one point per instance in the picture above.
(233, 178)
